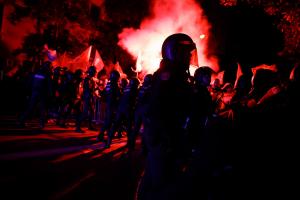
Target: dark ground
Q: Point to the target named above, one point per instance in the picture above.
(58, 163)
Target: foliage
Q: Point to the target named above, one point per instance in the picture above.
(71, 25)
(54, 19)
(287, 19)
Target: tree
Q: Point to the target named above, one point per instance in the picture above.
(53, 18)
(287, 20)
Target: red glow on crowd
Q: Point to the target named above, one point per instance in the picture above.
(264, 66)
(239, 73)
(167, 17)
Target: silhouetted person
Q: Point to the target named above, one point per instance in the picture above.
(264, 140)
(202, 105)
(166, 118)
(88, 99)
(123, 84)
(125, 113)
(40, 91)
(56, 96)
(111, 96)
(143, 99)
(72, 98)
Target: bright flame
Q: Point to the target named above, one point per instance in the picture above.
(202, 36)
(193, 69)
(167, 17)
(139, 63)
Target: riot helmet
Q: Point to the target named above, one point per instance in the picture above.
(78, 74)
(134, 83)
(114, 76)
(69, 75)
(202, 76)
(123, 82)
(148, 79)
(179, 48)
(92, 71)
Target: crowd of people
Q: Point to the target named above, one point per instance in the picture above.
(64, 96)
(202, 140)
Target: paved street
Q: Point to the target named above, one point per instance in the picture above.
(58, 163)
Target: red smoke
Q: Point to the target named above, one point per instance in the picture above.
(167, 17)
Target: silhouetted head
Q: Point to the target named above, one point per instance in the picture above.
(124, 82)
(78, 74)
(264, 78)
(69, 75)
(216, 84)
(114, 76)
(92, 71)
(177, 49)
(202, 76)
(134, 83)
(262, 81)
(148, 79)
(101, 74)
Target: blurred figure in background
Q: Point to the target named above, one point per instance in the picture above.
(41, 88)
(88, 99)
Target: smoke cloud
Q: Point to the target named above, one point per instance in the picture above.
(167, 17)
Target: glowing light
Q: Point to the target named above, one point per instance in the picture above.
(193, 69)
(202, 36)
(167, 17)
(139, 63)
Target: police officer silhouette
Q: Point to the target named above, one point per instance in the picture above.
(111, 95)
(166, 118)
